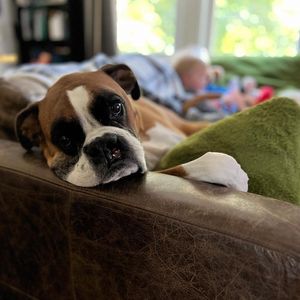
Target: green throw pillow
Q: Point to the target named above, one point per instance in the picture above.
(265, 140)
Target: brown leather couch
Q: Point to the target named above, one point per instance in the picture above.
(144, 237)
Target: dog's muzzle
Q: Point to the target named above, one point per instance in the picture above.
(107, 155)
(107, 149)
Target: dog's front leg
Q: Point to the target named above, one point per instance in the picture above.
(213, 167)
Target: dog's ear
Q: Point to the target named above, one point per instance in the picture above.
(124, 76)
(27, 127)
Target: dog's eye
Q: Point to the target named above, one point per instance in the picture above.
(116, 109)
(65, 142)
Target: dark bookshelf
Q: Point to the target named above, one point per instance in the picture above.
(50, 31)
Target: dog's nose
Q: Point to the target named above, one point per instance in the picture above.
(106, 147)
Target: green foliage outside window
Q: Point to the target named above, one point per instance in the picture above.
(240, 27)
(256, 28)
(146, 26)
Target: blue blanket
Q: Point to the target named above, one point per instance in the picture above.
(155, 75)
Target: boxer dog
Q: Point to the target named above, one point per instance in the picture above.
(92, 131)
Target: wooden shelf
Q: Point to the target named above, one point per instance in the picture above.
(48, 28)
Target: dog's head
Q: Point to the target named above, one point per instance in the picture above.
(86, 126)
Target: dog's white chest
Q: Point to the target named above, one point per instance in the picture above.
(160, 140)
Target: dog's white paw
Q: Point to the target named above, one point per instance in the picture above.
(217, 168)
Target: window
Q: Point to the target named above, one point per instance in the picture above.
(240, 27)
(253, 28)
(146, 26)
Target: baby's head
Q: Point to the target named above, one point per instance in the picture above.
(193, 73)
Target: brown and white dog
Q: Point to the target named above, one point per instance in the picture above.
(91, 132)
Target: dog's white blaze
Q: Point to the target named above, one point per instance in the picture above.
(161, 139)
(80, 100)
(217, 168)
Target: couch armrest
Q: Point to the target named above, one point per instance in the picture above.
(153, 236)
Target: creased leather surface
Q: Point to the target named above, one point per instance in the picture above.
(34, 238)
(11, 293)
(140, 256)
(151, 237)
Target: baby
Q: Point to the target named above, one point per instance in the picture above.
(196, 77)
(193, 73)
